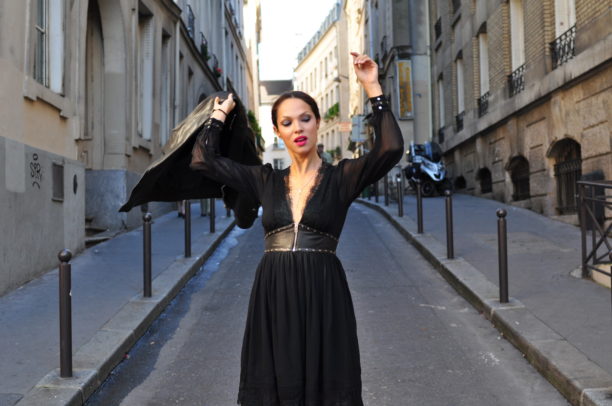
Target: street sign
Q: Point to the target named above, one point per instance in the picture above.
(357, 129)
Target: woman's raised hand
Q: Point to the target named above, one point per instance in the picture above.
(221, 110)
(367, 73)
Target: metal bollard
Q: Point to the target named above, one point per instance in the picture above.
(376, 191)
(450, 248)
(400, 196)
(203, 208)
(187, 228)
(503, 255)
(65, 309)
(146, 254)
(386, 189)
(212, 215)
(419, 209)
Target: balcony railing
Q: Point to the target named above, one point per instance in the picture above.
(516, 81)
(459, 121)
(190, 23)
(593, 202)
(204, 47)
(483, 104)
(213, 62)
(563, 48)
(438, 28)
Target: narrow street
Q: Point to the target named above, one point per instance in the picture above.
(421, 343)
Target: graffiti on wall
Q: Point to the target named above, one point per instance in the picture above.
(35, 171)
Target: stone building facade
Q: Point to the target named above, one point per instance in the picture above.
(522, 100)
(322, 72)
(398, 39)
(90, 91)
(275, 152)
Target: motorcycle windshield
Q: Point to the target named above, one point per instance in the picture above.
(433, 152)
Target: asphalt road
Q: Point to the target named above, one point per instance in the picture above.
(421, 343)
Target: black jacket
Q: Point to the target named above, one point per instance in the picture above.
(170, 179)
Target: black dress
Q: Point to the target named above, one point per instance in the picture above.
(300, 343)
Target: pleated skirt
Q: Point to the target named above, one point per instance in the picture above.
(300, 343)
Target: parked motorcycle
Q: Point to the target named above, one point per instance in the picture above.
(425, 166)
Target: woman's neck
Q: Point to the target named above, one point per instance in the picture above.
(302, 164)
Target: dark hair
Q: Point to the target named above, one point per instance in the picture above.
(295, 94)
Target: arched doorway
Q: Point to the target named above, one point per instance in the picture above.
(484, 178)
(460, 183)
(519, 173)
(568, 170)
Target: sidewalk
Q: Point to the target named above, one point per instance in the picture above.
(563, 324)
(109, 312)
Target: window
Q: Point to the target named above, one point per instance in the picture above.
(58, 182)
(165, 90)
(485, 180)
(460, 94)
(565, 16)
(483, 51)
(441, 122)
(519, 173)
(517, 34)
(278, 163)
(48, 68)
(563, 47)
(460, 85)
(145, 60)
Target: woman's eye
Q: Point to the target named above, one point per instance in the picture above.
(286, 123)
(306, 119)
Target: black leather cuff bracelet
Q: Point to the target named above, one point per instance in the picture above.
(379, 103)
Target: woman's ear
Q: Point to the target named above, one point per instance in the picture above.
(274, 129)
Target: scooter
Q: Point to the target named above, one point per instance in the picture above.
(425, 166)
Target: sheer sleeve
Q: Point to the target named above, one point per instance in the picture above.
(205, 157)
(388, 148)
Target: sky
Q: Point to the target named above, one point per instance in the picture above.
(287, 25)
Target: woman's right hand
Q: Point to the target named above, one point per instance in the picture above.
(222, 110)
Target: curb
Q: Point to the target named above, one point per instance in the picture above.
(95, 360)
(575, 376)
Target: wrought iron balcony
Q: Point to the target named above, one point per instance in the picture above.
(438, 28)
(190, 23)
(516, 81)
(459, 121)
(563, 48)
(483, 104)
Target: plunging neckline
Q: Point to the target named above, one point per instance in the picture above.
(311, 192)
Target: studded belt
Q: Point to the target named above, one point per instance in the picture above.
(298, 237)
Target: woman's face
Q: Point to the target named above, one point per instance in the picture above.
(297, 126)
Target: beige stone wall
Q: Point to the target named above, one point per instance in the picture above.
(569, 102)
(333, 41)
(581, 113)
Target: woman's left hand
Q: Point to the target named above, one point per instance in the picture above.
(367, 73)
(221, 110)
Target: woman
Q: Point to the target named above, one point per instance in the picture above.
(300, 343)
